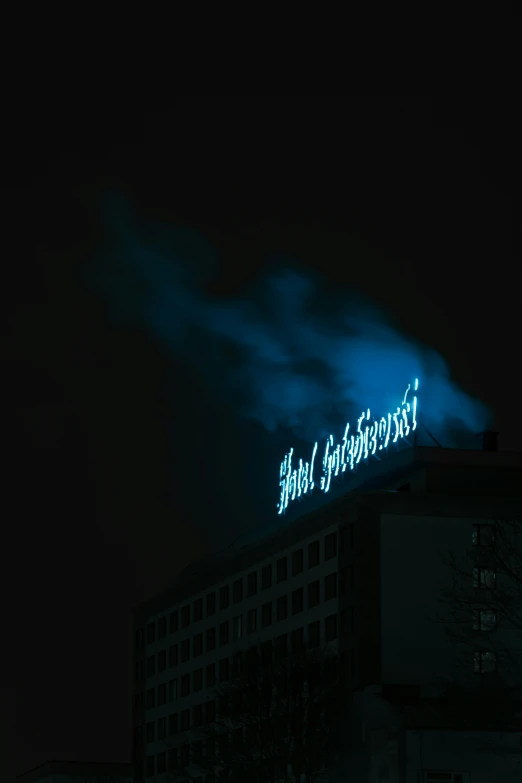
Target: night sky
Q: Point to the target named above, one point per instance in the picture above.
(159, 259)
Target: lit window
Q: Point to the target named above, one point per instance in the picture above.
(484, 578)
(484, 662)
(483, 535)
(484, 620)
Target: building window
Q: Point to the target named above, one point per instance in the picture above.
(314, 594)
(297, 638)
(173, 622)
(483, 535)
(346, 621)
(150, 766)
(224, 597)
(281, 646)
(484, 620)
(297, 600)
(330, 546)
(266, 615)
(313, 554)
(223, 670)
(151, 666)
(314, 634)
(162, 660)
(149, 732)
(185, 685)
(211, 675)
(237, 665)
(162, 627)
(210, 711)
(151, 633)
(151, 699)
(173, 690)
(223, 633)
(346, 580)
(185, 616)
(237, 591)
(162, 728)
(346, 538)
(211, 639)
(185, 650)
(252, 584)
(185, 720)
(185, 755)
(297, 562)
(161, 762)
(162, 694)
(266, 577)
(330, 628)
(173, 760)
(282, 610)
(173, 655)
(211, 604)
(197, 716)
(484, 662)
(197, 680)
(173, 724)
(237, 626)
(484, 578)
(330, 586)
(198, 645)
(251, 620)
(281, 570)
(198, 610)
(266, 651)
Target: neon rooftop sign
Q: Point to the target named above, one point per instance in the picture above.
(371, 436)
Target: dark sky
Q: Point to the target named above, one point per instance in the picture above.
(129, 461)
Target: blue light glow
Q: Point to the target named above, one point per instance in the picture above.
(371, 435)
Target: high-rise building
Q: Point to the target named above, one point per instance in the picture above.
(362, 575)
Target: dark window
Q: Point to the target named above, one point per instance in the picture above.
(223, 670)
(266, 614)
(173, 690)
(297, 638)
(197, 715)
(162, 627)
(162, 660)
(484, 662)
(162, 728)
(313, 554)
(484, 578)
(173, 724)
(252, 583)
(173, 622)
(223, 633)
(211, 639)
(198, 645)
(151, 633)
(237, 591)
(161, 762)
(251, 620)
(173, 655)
(346, 621)
(198, 610)
(185, 650)
(330, 586)
(237, 664)
(151, 699)
(297, 562)
(185, 720)
(149, 731)
(237, 627)
(197, 680)
(185, 755)
(162, 694)
(346, 538)
(185, 616)
(185, 684)
(210, 711)
(197, 751)
(150, 766)
(173, 759)
(314, 634)
(483, 535)
(484, 620)
(314, 593)
(346, 580)
(330, 628)
(151, 666)
(211, 604)
(266, 650)
(266, 577)
(297, 601)
(224, 597)
(280, 646)
(282, 611)
(211, 675)
(330, 546)
(281, 570)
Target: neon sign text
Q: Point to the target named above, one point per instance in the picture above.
(370, 437)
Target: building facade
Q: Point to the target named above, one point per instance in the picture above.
(361, 575)
(79, 772)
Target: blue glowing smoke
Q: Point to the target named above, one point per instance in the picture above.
(291, 353)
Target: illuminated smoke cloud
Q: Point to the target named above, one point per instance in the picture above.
(292, 354)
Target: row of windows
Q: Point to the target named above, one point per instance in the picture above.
(223, 670)
(194, 613)
(240, 625)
